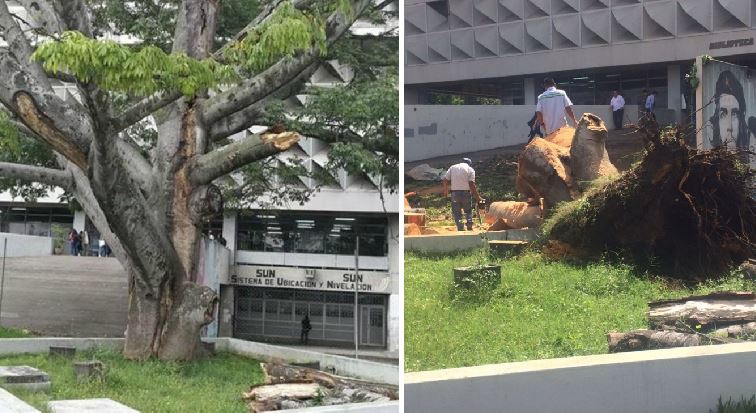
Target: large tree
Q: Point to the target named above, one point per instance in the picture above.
(149, 190)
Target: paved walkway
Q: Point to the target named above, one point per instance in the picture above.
(380, 356)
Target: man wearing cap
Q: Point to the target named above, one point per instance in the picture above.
(552, 106)
(461, 177)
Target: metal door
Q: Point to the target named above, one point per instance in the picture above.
(372, 325)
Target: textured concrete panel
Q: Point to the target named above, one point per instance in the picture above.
(511, 10)
(486, 12)
(564, 6)
(566, 31)
(461, 13)
(698, 10)
(687, 21)
(627, 23)
(416, 49)
(538, 34)
(414, 19)
(586, 5)
(511, 38)
(462, 44)
(487, 41)
(730, 14)
(439, 48)
(659, 20)
(596, 28)
(437, 13)
(536, 8)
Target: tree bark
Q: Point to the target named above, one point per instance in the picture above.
(638, 340)
(720, 308)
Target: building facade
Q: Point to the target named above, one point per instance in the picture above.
(498, 51)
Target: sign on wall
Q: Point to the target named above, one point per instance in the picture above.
(728, 99)
(311, 279)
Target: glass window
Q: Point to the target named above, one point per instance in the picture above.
(332, 313)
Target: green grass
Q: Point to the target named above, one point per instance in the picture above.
(207, 385)
(541, 309)
(6, 332)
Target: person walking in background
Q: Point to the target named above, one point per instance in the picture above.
(618, 109)
(461, 178)
(83, 243)
(552, 106)
(650, 103)
(73, 242)
(306, 327)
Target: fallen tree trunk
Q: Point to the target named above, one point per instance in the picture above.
(682, 212)
(721, 308)
(637, 340)
(290, 387)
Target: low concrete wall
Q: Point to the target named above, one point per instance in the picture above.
(344, 366)
(462, 240)
(431, 131)
(681, 380)
(42, 344)
(26, 245)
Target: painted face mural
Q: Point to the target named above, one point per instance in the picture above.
(731, 92)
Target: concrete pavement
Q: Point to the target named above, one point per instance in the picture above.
(65, 296)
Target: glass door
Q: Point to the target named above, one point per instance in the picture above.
(372, 325)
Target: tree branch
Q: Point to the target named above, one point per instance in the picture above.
(243, 119)
(276, 76)
(142, 109)
(75, 15)
(44, 14)
(266, 12)
(28, 173)
(231, 157)
(19, 45)
(139, 167)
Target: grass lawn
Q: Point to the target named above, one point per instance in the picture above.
(6, 332)
(542, 309)
(208, 385)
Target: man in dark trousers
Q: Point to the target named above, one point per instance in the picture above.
(306, 327)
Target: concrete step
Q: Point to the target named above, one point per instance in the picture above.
(88, 405)
(12, 404)
(506, 246)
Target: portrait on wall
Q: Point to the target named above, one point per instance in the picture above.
(729, 93)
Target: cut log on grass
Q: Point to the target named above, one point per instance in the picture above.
(515, 215)
(298, 391)
(276, 373)
(680, 211)
(744, 331)
(721, 308)
(638, 340)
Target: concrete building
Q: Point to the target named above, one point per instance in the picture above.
(283, 263)
(498, 51)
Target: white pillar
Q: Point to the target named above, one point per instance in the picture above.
(79, 221)
(229, 230)
(395, 303)
(674, 90)
(530, 91)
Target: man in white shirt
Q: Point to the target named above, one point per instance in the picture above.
(461, 178)
(618, 109)
(552, 106)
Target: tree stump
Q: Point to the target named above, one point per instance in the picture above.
(484, 276)
(62, 351)
(89, 370)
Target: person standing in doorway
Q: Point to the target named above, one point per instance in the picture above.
(552, 106)
(306, 327)
(461, 178)
(618, 109)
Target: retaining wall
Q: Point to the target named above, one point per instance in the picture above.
(26, 245)
(463, 240)
(684, 380)
(431, 131)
